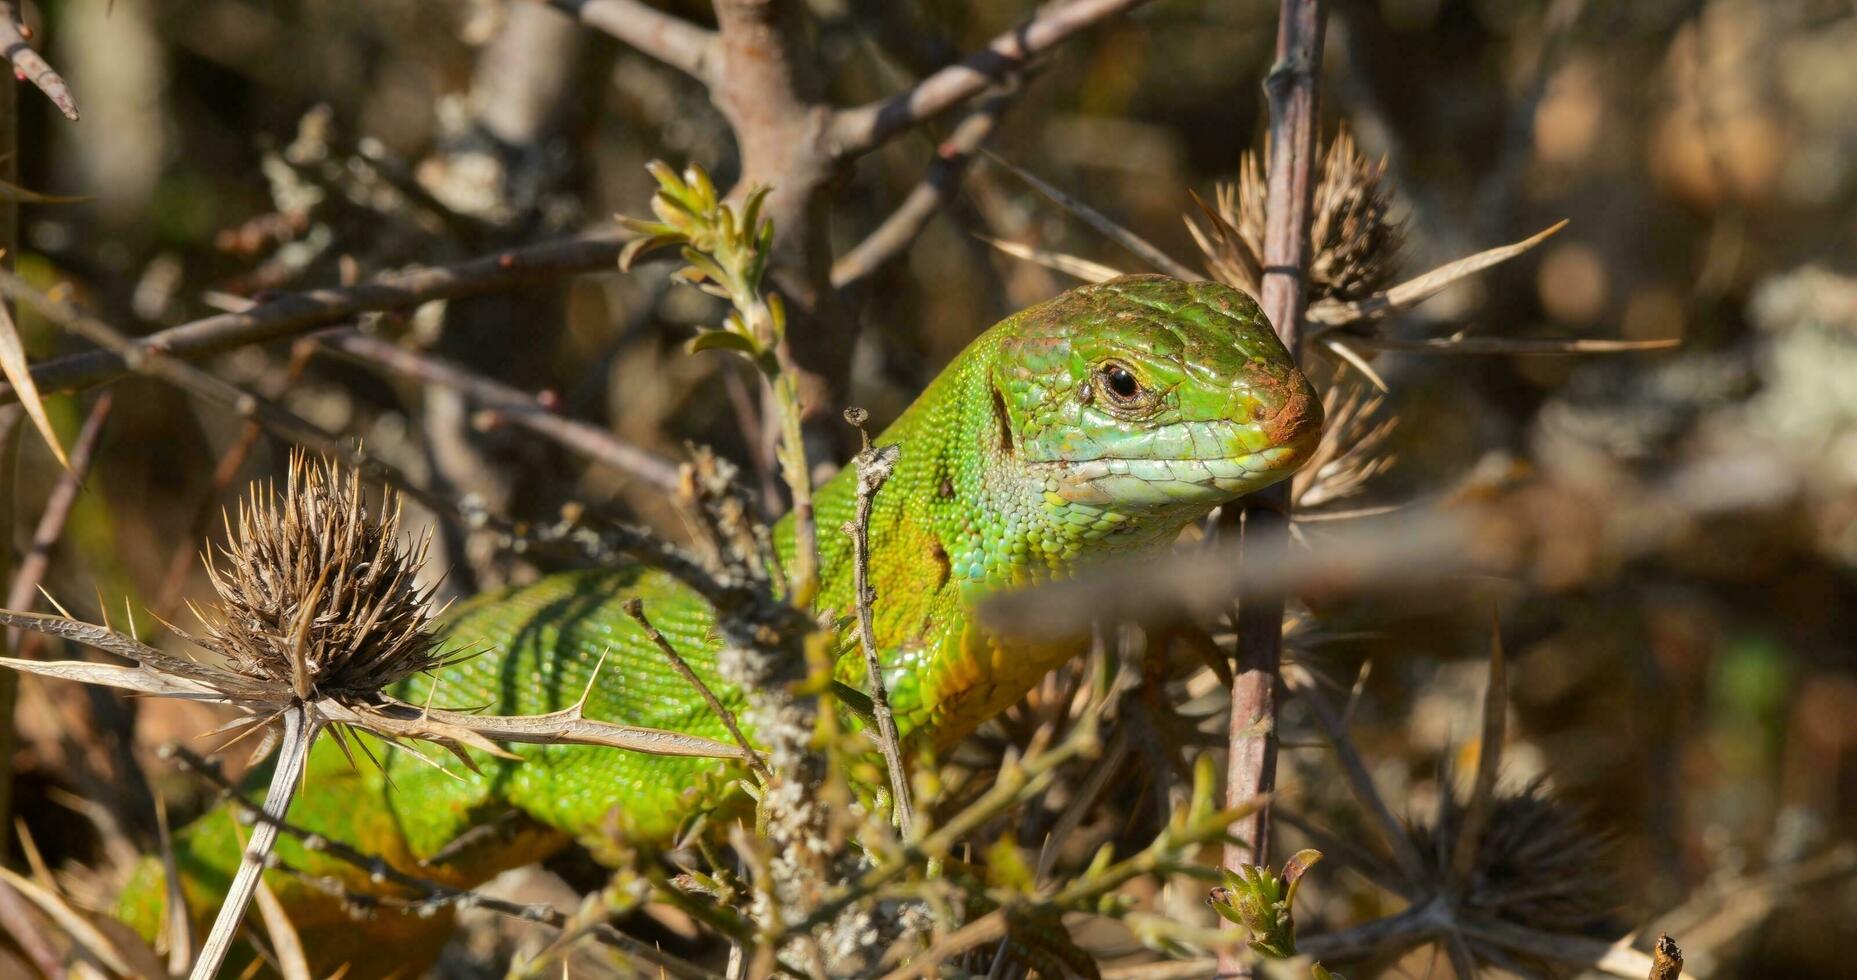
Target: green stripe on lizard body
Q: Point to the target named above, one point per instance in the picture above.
(1094, 425)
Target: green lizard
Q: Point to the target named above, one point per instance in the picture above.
(1096, 424)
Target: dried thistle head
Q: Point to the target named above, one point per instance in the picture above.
(316, 593)
(318, 615)
(1538, 863)
(1353, 242)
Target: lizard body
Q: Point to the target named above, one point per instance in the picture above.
(1093, 425)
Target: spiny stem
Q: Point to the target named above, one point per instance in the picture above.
(292, 754)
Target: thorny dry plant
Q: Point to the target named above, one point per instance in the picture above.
(309, 572)
(1503, 880)
(1354, 243)
(319, 614)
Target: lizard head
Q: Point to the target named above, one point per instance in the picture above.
(1146, 396)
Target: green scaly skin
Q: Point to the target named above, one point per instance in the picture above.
(1020, 464)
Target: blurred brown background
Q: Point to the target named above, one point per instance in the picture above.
(1685, 665)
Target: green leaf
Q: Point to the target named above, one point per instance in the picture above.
(698, 179)
(639, 246)
(1223, 900)
(676, 212)
(643, 227)
(751, 210)
(1293, 870)
(1205, 788)
(704, 264)
(777, 311)
(720, 340)
(1262, 901)
(666, 176)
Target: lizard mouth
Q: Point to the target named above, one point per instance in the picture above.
(1157, 482)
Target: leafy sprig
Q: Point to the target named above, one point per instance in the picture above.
(1261, 900)
(725, 249)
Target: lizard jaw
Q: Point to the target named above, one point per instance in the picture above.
(1142, 482)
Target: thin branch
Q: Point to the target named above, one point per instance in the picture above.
(874, 465)
(28, 64)
(398, 719)
(854, 132)
(672, 40)
(1293, 91)
(635, 608)
(300, 312)
(509, 404)
(938, 185)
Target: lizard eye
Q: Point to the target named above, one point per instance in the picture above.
(1119, 383)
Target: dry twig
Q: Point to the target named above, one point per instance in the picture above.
(874, 465)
